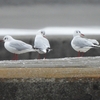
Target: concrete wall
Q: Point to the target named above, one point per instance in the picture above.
(50, 89)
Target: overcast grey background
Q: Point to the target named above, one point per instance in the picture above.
(36, 14)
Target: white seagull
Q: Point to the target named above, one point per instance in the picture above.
(81, 44)
(41, 44)
(16, 46)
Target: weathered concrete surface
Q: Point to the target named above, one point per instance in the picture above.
(49, 72)
(50, 89)
(50, 79)
(67, 62)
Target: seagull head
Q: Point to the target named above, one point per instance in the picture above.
(7, 38)
(43, 33)
(78, 33)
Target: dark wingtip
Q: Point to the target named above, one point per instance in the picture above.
(49, 49)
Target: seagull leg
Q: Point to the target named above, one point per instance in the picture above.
(79, 54)
(15, 57)
(38, 56)
(44, 56)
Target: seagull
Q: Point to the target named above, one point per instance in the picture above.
(16, 46)
(81, 44)
(41, 44)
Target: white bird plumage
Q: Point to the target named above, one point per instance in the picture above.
(16, 46)
(81, 44)
(41, 44)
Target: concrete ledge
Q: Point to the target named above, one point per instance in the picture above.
(49, 72)
(51, 68)
(50, 79)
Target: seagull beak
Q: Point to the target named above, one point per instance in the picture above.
(43, 35)
(82, 35)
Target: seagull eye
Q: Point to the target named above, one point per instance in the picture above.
(6, 38)
(76, 31)
(42, 32)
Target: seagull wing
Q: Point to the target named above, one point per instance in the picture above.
(20, 45)
(41, 42)
(82, 42)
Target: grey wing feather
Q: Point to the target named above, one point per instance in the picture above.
(20, 45)
(82, 43)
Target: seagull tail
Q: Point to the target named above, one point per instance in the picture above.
(98, 46)
(49, 49)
